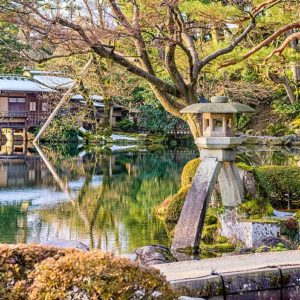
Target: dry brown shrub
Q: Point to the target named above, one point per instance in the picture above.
(16, 264)
(97, 275)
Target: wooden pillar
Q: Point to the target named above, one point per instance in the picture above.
(11, 140)
(25, 135)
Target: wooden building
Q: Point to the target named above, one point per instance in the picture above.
(23, 102)
(116, 114)
(27, 101)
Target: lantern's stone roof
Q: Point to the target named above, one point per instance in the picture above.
(217, 108)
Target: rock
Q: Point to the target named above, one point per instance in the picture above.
(154, 255)
(274, 241)
(61, 243)
(282, 214)
(130, 256)
(251, 233)
(246, 251)
(291, 138)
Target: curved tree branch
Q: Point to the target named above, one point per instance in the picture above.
(108, 52)
(229, 48)
(264, 43)
(287, 85)
(286, 42)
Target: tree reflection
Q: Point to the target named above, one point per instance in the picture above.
(13, 222)
(117, 198)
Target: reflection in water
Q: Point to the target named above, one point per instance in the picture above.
(104, 200)
(263, 155)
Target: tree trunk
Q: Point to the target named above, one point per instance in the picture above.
(194, 121)
(195, 124)
(287, 85)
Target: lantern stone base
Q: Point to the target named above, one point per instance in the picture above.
(189, 228)
(218, 142)
(219, 154)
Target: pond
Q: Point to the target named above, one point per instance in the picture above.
(104, 199)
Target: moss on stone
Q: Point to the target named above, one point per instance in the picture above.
(189, 172)
(188, 250)
(173, 210)
(218, 247)
(263, 249)
(211, 217)
(209, 233)
(244, 166)
(279, 182)
(222, 239)
(256, 208)
(262, 220)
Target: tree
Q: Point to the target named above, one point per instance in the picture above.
(103, 78)
(10, 47)
(163, 42)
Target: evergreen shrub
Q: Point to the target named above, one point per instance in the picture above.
(61, 129)
(279, 182)
(174, 208)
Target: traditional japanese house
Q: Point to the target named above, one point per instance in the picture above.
(56, 81)
(116, 114)
(23, 102)
(26, 102)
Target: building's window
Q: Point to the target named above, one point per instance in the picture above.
(32, 106)
(44, 106)
(16, 100)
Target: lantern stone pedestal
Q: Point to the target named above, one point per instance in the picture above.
(217, 164)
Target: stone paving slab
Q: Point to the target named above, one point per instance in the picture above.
(227, 264)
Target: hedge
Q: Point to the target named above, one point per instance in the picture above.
(279, 182)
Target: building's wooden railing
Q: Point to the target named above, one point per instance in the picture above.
(13, 114)
(21, 119)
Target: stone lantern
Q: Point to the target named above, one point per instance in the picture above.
(217, 152)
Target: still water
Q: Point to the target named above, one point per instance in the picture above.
(104, 200)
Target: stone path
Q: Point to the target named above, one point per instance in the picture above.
(238, 263)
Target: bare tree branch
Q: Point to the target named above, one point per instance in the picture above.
(287, 41)
(264, 43)
(229, 48)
